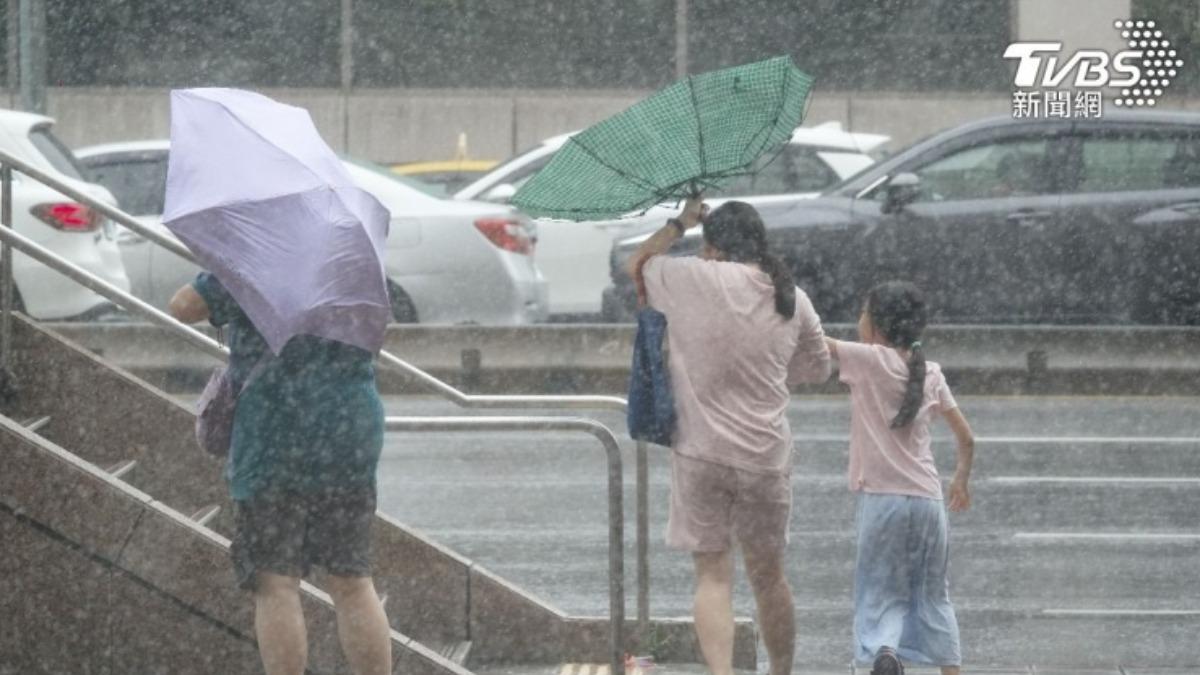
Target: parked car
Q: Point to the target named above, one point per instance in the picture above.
(447, 261)
(72, 230)
(1087, 221)
(573, 256)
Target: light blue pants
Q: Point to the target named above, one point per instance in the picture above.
(901, 590)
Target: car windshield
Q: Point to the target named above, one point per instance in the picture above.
(59, 155)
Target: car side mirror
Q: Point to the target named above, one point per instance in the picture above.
(902, 190)
(501, 194)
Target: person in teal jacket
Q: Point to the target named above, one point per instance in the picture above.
(307, 434)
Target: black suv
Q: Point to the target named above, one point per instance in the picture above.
(1089, 221)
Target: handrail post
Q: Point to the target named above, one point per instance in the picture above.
(7, 377)
(643, 539)
(616, 555)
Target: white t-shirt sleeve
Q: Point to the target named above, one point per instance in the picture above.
(810, 361)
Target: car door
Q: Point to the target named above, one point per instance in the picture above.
(1127, 247)
(965, 240)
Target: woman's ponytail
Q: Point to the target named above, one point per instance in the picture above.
(736, 230)
(785, 287)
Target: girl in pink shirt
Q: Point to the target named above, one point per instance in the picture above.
(902, 607)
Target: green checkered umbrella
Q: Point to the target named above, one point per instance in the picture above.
(687, 138)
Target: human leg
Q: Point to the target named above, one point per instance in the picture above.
(713, 609)
(931, 631)
(279, 624)
(266, 553)
(362, 624)
(776, 608)
(339, 540)
(761, 513)
(699, 521)
(882, 579)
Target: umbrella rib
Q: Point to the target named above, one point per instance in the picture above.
(699, 126)
(765, 129)
(641, 182)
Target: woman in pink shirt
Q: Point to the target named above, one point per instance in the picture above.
(902, 607)
(738, 333)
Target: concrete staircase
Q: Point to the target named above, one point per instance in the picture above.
(115, 550)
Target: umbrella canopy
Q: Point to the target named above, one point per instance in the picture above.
(691, 136)
(260, 199)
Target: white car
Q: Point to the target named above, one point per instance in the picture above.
(71, 230)
(574, 256)
(447, 261)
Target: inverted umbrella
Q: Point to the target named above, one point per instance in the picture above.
(260, 199)
(691, 136)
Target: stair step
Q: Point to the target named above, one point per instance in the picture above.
(119, 469)
(35, 424)
(458, 652)
(206, 514)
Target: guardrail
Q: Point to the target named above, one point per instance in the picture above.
(10, 239)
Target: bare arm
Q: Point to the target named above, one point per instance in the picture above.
(188, 306)
(960, 495)
(832, 345)
(811, 359)
(660, 242)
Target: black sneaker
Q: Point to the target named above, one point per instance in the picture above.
(886, 663)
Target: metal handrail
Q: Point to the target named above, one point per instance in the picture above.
(447, 391)
(616, 556)
(10, 239)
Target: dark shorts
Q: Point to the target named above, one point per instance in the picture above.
(288, 533)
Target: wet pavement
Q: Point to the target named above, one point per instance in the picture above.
(1081, 549)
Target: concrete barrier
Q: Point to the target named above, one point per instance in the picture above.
(595, 358)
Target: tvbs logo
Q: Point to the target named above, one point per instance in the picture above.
(1091, 67)
(1140, 73)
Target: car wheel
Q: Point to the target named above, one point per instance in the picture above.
(403, 310)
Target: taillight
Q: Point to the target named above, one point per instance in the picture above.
(68, 216)
(506, 233)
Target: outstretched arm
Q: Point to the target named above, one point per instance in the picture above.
(960, 495)
(832, 345)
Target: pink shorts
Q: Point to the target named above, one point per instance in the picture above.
(710, 503)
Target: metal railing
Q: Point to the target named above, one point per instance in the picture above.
(10, 239)
(450, 393)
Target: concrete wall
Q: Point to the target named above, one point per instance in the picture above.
(389, 125)
(1078, 24)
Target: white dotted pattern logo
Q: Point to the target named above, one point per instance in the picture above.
(1160, 63)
